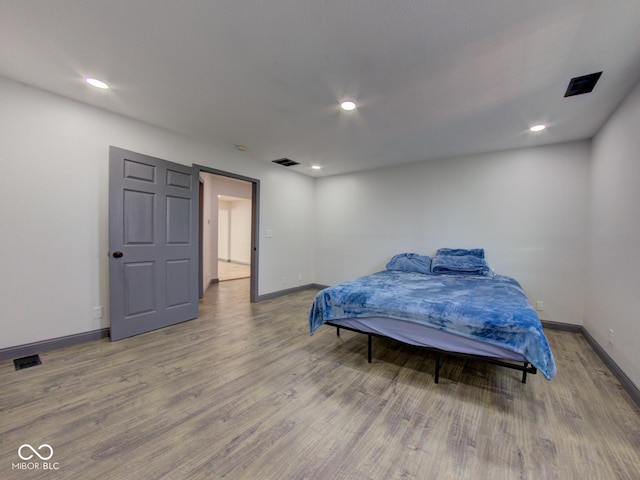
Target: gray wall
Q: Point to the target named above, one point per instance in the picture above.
(613, 293)
(528, 208)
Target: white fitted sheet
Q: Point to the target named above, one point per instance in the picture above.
(425, 336)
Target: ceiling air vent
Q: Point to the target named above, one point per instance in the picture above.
(285, 162)
(580, 85)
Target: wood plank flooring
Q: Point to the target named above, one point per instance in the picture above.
(232, 270)
(243, 392)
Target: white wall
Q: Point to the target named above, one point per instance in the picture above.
(613, 295)
(224, 250)
(53, 210)
(240, 231)
(234, 231)
(527, 208)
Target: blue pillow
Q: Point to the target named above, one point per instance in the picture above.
(410, 262)
(460, 265)
(461, 252)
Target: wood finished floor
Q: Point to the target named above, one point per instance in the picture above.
(232, 271)
(243, 392)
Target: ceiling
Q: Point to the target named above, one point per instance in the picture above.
(431, 78)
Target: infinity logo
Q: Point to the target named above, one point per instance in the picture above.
(36, 452)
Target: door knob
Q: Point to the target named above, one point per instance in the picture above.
(117, 254)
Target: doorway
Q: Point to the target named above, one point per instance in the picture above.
(234, 237)
(228, 211)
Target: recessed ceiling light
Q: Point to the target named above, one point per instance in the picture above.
(94, 82)
(348, 105)
(241, 148)
(538, 128)
(316, 167)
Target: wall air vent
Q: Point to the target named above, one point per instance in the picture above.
(285, 162)
(580, 85)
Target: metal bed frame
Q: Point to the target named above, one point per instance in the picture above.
(525, 368)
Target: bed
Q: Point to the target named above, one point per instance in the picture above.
(451, 304)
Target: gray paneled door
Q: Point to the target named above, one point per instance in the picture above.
(153, 243)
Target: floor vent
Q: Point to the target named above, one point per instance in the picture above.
(286, 162)
(580, 85)
(26, 362)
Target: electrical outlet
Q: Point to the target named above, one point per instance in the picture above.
(300, 277)
(539, 305)
(610, 337)
(97, 312)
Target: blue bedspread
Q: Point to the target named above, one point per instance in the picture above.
(492, 309)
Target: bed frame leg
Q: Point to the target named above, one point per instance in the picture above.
(369, 348)
(437, 376)
(338, 331)
(524, 373)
